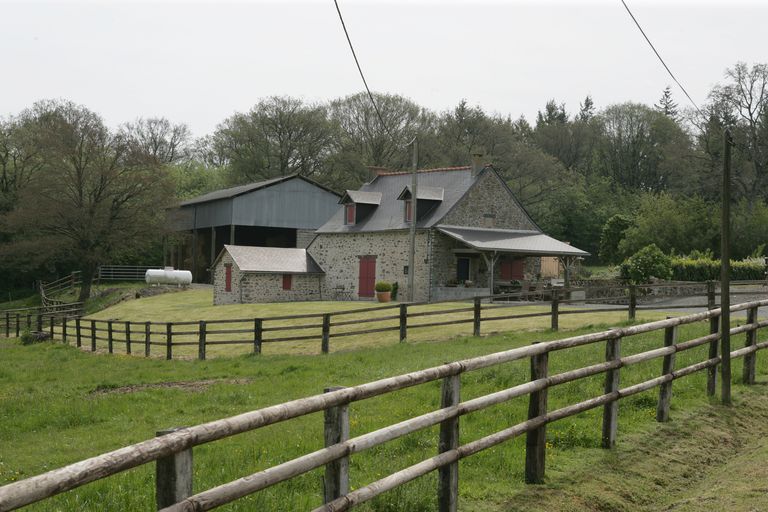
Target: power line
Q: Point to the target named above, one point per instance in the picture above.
(660, 59)
(360, 70)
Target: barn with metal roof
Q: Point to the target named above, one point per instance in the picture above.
(280, 212)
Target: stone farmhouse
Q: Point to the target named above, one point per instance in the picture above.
(472, 236)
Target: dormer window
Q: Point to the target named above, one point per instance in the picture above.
(349, 214)
(408, 210)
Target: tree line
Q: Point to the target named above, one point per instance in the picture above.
(75, 193)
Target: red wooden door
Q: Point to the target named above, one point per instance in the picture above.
(367, 276)
(518, 268)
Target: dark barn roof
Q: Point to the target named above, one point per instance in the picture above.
(228, 193)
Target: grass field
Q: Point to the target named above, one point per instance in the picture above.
(195, 305)
(59, 405)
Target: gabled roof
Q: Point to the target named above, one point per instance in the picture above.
(511, 240)
(455, 182)
(228, 193)
(271, 260)
(360, 197)
(424, 193)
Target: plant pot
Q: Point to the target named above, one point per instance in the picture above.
(384, 296)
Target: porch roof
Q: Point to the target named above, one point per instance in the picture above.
(510, 240)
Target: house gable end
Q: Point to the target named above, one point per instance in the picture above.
(489, 203)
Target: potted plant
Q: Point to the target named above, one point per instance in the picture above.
(383, 291)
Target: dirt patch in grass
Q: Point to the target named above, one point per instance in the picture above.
(190, 385)
(704, 459)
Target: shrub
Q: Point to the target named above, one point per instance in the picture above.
(646, 263)
(29, 337)
(383, 286)
(707, 269)
(394, 290)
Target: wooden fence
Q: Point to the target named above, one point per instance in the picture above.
(166, 338)
(51, 319)
(172, 449)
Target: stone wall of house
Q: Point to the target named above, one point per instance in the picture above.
(443, 262)
(339, 254)
(304, 237)
(258, 288)
(220, 295)
(489, 205)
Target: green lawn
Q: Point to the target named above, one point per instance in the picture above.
(59, 405)
(193, 305)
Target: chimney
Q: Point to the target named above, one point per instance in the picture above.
(477, 163)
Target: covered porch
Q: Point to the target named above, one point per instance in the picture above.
(508, 257)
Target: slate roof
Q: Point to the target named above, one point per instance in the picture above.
(390, 214)
(426, 193)
(273, 260)
(511, 240)
(360, 197)
(228, 193)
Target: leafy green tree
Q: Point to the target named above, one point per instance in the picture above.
(97, 195)
(667, 104)
(611, 236)
(647, 263)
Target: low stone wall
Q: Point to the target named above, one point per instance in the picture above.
(456, 292)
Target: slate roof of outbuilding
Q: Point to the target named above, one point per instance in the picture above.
(228, 193)
(390, 214)
(273, 260)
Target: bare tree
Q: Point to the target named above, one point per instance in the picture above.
(159, 138)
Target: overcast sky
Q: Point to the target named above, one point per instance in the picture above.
(200, 62)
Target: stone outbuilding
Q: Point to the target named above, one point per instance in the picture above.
(472, 236)
(245, 274)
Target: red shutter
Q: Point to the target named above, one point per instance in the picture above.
(367, 276)
(349, 211)
(518, 268)
(408, 211)
(287, 280)
(506, 270)
(228, 278)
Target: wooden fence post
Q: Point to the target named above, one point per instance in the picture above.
(173, 476)
(53, 321)
(93, 335)
(632, 311)
(39, 322)
(336, 430)
(611, 409)
(748, 374)
(109, 336)
(477, 318)
(127, 337)
(7, 324)
(78, 333)
(555, 324)
(536, 439)
(448, 476)
(711, 295)
(201, 331)
(64, 328)
(714, 328)
(258, 333)
(403, 322)
(18, 324)
(29, 321)
(169, 341)
(667, 367)
(147, 338)
(326, 333)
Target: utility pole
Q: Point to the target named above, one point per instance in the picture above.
(725, 283)
(414, 202)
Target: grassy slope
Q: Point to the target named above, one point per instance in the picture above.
(59, 405)
(197, 305)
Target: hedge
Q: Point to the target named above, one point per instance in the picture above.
(686, 269)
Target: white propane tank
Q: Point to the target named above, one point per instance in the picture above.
(168, 276)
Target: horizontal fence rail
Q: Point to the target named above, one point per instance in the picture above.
(175, 445)
(323, 328)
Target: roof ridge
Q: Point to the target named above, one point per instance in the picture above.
(435, 169)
